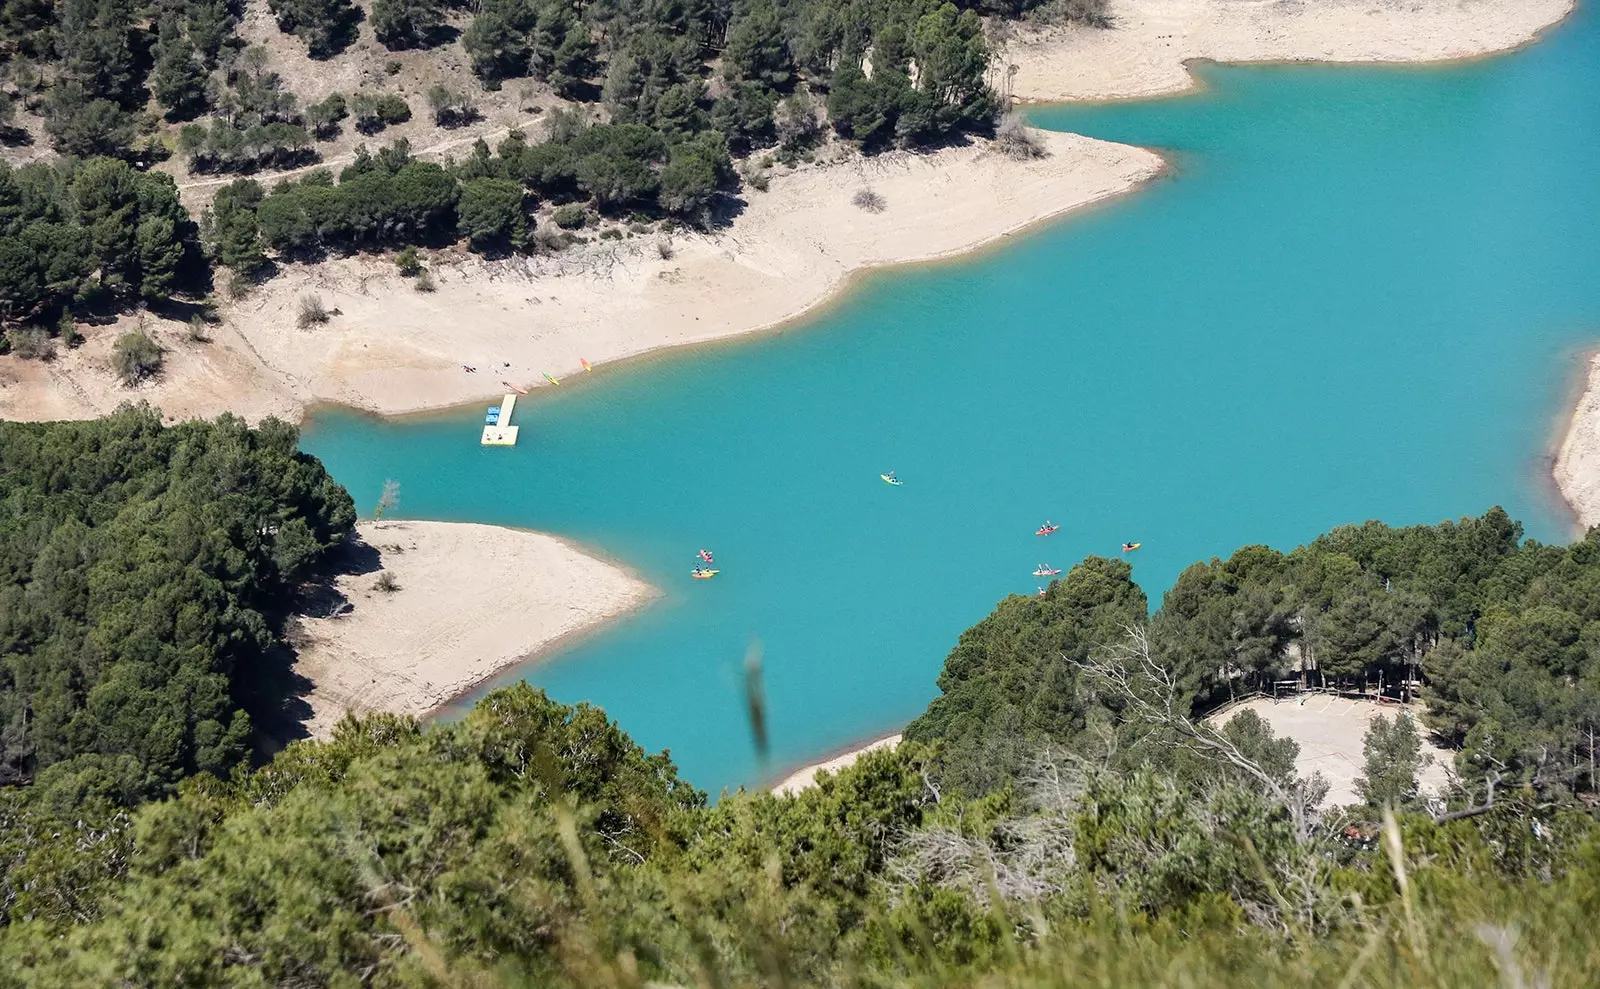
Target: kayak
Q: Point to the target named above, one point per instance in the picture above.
(890, 479)
(551, 378)
(705, 555)
(699, 573)
(585, 364)
(1046, 571)
(1046, 529)
(1130, 547)
(1043, 592)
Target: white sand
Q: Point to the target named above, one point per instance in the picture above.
(472, 601)
(1145, 53)
(1330, 732)
(201, 379)
(801, 779)
(1577, 467)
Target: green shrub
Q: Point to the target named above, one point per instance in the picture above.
(570, 217)
(407, 261)
(136, 358)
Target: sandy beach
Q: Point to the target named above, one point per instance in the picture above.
(1146, 51)
(469, 601)
(1577, 467)
(806, 777)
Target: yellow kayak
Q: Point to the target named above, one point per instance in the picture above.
(551, 378)
(889, 478)
(701, 574)
(1130, 547)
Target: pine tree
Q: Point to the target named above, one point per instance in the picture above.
(178, 81)
(406, 23)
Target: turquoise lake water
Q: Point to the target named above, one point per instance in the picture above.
(1362, 294)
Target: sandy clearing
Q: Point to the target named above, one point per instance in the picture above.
(1330, 731)
(472, 600)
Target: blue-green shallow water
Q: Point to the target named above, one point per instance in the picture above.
(1360, 296)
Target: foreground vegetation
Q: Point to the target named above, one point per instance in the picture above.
(1061, 816)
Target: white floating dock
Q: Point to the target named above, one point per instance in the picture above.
(501, 432)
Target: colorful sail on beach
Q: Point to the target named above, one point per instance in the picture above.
(585, 363)
(551, 378)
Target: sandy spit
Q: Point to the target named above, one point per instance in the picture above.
(1147, 50)
(806, 777)
(1577, 467)
(445, 628)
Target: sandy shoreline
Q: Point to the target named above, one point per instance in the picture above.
(1577, 465)
(1148, 50)
(806, 776)
(444, 629)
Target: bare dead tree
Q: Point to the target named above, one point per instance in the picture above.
(1151, 695)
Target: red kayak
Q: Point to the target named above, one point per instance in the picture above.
(1046, 529)
(705, 555)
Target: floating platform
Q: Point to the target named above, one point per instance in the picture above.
(498, 430)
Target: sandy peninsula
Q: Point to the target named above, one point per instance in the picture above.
(469, 601)
(806, 777)
(1147, 50)
(1577, 467)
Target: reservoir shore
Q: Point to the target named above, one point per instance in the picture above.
(471, 600)
(437, 608)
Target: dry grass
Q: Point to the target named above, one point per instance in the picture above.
(311, 311)
(867, 199)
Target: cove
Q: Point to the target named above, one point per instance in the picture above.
(1361, 294)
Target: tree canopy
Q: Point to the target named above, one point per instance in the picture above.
(139, 565)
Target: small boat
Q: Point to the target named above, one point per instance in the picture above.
(551, 378)
(1045, 570)
(585, 364)
(703, 573)
(1130, 547)
(889, 478)
(1042, 591)
(1046, 529)
(705, 555)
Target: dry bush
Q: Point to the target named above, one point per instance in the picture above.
(548, 240)
(664, 248)
(199, 332)
(31, 343)
(312, 311)
(1016, 140)
(424, 283)
(136, 358)
(869, 200)
(386, 583)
